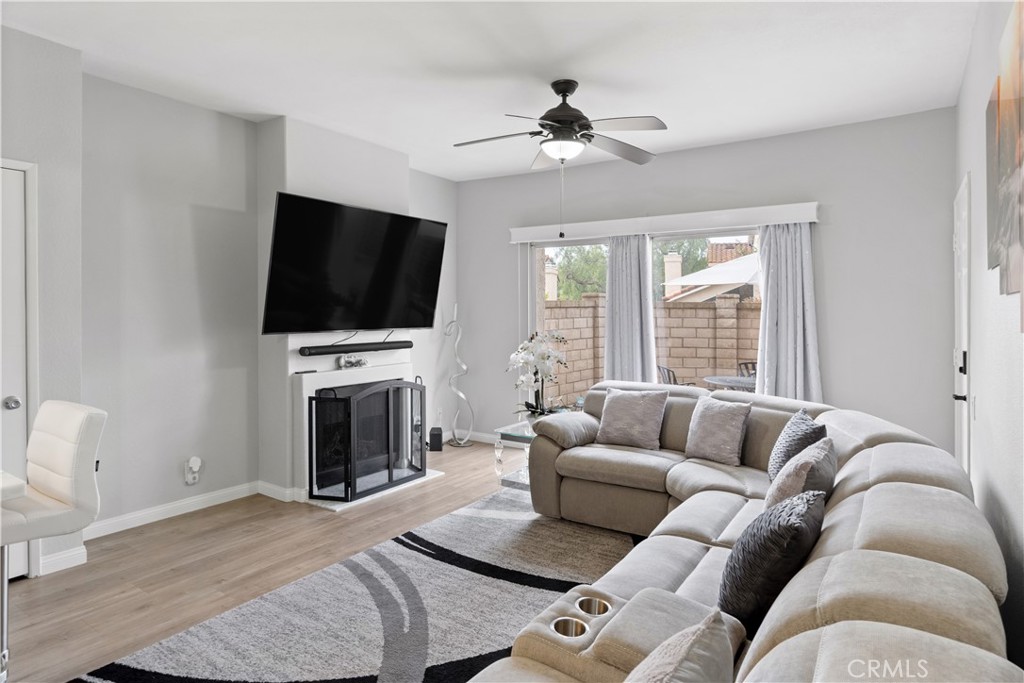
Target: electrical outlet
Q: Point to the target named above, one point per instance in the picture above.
(192, 467)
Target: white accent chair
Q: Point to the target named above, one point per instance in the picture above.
(61, 496)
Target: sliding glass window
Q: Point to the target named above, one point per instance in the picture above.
(707, 308)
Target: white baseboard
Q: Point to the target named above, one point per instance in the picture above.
(281, 493)
(159, 512)
(65, 559)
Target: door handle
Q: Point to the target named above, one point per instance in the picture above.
(960, 397)
(12, 403)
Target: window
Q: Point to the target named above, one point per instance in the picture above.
(707, 308)
(569, 297)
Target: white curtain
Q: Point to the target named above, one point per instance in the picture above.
(629, 321)
(787, 356)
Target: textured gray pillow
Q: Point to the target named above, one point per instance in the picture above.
(716, 430)
(767, 555)
(800, 432)
(812, 469)
(632, 418)
(699, 654)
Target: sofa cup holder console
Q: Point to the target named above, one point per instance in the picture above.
(595, 607)
(570, 627)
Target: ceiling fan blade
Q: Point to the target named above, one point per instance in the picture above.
(542, 160)
(629, 123)
(497, 137)
(620, 148)
(529, 118)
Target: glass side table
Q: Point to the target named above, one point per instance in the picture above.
(520, 432)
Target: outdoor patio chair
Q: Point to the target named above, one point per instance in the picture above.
(668, 376)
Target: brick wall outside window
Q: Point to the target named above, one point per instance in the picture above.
(693, 339)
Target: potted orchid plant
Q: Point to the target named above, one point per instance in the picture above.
(536, 361)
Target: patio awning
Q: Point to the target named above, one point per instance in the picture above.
(744, 270)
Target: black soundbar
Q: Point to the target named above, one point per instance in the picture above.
(352, 348)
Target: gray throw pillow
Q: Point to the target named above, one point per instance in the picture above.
(767, 555)
(800, 432)
(632, 418)
(698, 654)
(716, 430)
(812, 469)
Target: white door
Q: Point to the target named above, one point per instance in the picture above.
(962, 398)
(13, 377)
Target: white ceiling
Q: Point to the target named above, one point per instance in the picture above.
(418, 77)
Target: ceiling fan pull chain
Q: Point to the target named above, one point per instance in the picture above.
(561, 196)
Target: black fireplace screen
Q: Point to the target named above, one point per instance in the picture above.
(365, 438)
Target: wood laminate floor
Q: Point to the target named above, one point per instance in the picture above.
(145, 584)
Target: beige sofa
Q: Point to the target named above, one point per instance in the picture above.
(905, 581)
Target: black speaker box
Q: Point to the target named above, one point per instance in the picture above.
(435, 438)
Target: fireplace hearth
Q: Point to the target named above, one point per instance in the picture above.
(364, 438)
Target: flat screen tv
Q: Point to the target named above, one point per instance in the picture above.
(335, 267)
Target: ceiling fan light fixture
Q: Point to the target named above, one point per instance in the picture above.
(566, 131)
(563, 147)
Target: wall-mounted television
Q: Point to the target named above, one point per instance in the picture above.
(335, 267)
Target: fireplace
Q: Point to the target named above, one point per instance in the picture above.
(364, 438)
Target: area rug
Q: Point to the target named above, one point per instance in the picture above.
(438, 603)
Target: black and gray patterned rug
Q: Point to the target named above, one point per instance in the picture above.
(438, 603)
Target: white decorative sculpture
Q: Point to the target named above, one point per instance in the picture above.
(454, 328)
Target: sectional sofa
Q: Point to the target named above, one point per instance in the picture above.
(904, 581)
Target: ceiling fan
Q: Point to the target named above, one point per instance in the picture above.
(566, 131)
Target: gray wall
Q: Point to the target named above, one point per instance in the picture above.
(169, 271)
(274, 416)
(42, 124)
(432, 354)
(996, 350)
(883, 264)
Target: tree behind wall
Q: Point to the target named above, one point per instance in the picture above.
(581, 270)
